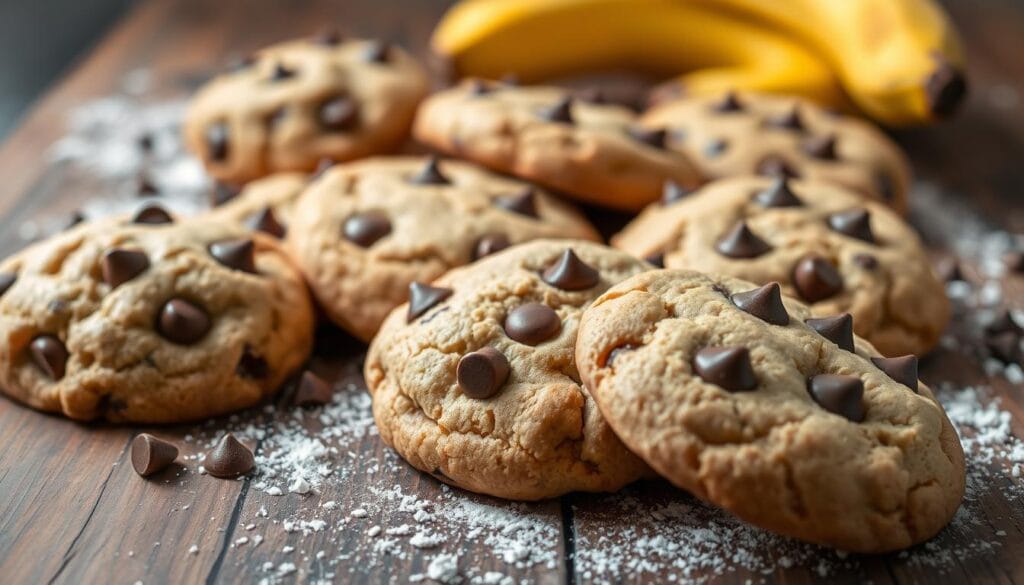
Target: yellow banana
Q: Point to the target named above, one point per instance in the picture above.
(540, 39)
(900, 61)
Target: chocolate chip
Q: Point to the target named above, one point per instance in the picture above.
(729, 103)
(1014, 262)
(490, 244)
(236, 254)
(524, 202)
(902, 369)
(778, 195)
(715, 147)
(1005, 346)
(281, 72)
(377, 52)
(229, 459)
(327, 38)
(145, 142)
(657, 259)
(183, 322)
(338, 113)
(266, 221)
(119, 265)
(365, 228)
(560, 113)
(842, 395)
(740, 242)
(145, 187)
(151, 455)
(945, 89)
(653, 137)
(616, 352)
(312, 391)
(532, 323)
(50, 355)
(765, 303)
(481, 374)
(855, 223)
(821, 147)
(422, 297)
(7, 280)
(252, 366)
(672, 192)
(152, 214)
(816, 279)
(838, 329)
(776, 166)
(727, 367)
(790, 120)
(479, 87)
(222, 193)
(570, 273)
(217, 141)
(430, 174)
(76, 217)
(865, 261)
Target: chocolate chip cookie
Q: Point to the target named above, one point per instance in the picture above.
(825, 244)
(747, 134)
(149, 319)
(292, 104)
(740, 396)
(595, 152)
(364, 231)
(266, 204)
(474, 380)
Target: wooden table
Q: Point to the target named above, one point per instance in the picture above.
(72, 510)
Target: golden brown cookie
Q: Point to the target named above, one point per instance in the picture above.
(594, 152)
(827, 246)
(474, 380)
(739, 396)
(266, 204)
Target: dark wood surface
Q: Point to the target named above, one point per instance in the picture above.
(72, 510)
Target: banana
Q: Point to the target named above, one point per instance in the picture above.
(540, 39)
(900, 61)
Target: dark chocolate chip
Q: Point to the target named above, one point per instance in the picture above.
(790, 120)
(776, 166)
(490, 244)
(672, 192)
(481, 374)
(765, 303)
(76, 217)
(902, 369)
(855, 223)
(816, 279)
(422, 297)
(377, 52)
(365, 228)
(151, 455)
(657, 259)
(727, 367)
(145, 187)
(740, 242)
(50, 355)
(1014, 262)
(328, 38)
(145, 142)
(821, 147)
(570, 273)
(561, 112)
(152, 214)
(945, 88)
(266, 221)
(120, 265)
(532, 323)
(865, 261)
(616, 352)
(715, 147)
(281, 72)
(236, 254)
(1005, 346)
(430, 174)
(252, 366)
(842, 395)
(653, 137)
(217, 141)
(312, 390)
(730, 102)
(838, 329)
(778, 195)
(182, 322)
(222, 193)
(7, 280)
(524, 202)
(338, 113)
(229, 459)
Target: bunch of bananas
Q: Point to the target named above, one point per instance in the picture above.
(897, 61)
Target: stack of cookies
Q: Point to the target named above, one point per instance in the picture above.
(749, 336)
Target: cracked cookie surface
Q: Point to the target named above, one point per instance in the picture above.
(532, 433)
(365, 230)
(868, 463)
(292, 104)
(148, 321)
(755, 134)
(591, 151)
(824, 244)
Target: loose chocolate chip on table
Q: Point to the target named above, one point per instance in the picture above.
(902, 369)
(327, 38)
(120, 265)
(182, 322)
(865, 261)
(1014, 262)
(222, 193)
(765, 303)
(616, 352)
(561, 112)
(482, 373)
(7, 280)
(672, 192)
(145, 142)
(570, 273)
(776, 166)
(365, 228)
(151, 455)
(76, 217)
(778, 195)
(430, 174)
(855, 223)
(281, 72)
(50, 355)
(816, 279)
(727, 367)
(1004, 346)
(653, 137)
(312, 390)
(266, 221)
(152, 214)
(145, 186)
(377, 52)
(790, 120)
(237, 254)
(338, 113)
(838, 329)
(422, 297)
(523, 202)
(741, 242)
(715, 147)
(489, 244)
(532, 323)
(657, 259)
(842, 395)
(821, 147)
(252, 366)
(729, 103)
(217, 140)
(229, 459)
